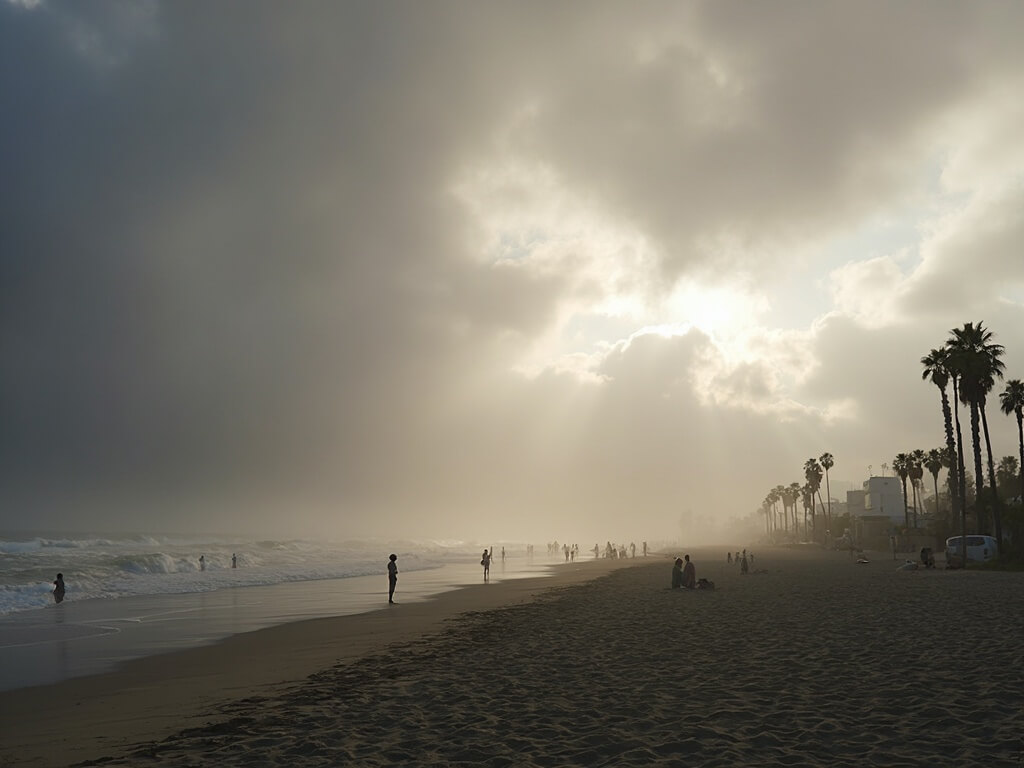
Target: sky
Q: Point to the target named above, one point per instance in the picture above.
(498, 271)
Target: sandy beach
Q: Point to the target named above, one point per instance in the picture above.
(815, 661)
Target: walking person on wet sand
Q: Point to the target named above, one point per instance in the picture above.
(392, 577)
(58, 589)
(485, 561)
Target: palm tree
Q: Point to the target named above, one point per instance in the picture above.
(1012, 401)
(901, 466)
(807, 497)
(936, 369)
(916, 471)
(813, 475)
(976, 358)
(1007, 473)
(780, 495)
(933, 463)
(827, 462)
(794, 497)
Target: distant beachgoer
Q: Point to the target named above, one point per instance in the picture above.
(596, 551)
(927, 557)
(728, 557)
(234, 560)
(677, 573)
(485, 561)
(392, 577)
(751, 556)
(632, 549)
(744, 566)
(645, 549)
(503, 554)
(202, 562)
(58, 589)
(689, 574)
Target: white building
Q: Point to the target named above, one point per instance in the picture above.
(884, 496)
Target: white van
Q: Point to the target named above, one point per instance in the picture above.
(979, 548)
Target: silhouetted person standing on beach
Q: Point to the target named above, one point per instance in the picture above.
(392, 577)
(486, 563)
(234, 560)
(689, 574)
(202, 562)
(744, 567)
(58, 588)
(645, 549)
(632, 549)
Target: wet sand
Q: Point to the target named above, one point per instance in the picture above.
(818, 661)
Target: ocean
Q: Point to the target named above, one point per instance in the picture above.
(98, 566)
(140, 595)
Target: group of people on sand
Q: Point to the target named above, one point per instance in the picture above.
(615, 551)
(684, 575)
(742, 559)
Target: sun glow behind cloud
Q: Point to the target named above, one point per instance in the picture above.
(525, 218)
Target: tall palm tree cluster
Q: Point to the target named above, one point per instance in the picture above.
(785, 523)
(969, 363)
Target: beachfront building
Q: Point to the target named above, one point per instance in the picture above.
(855, 503)
(883, 496)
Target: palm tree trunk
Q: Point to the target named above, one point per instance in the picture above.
(828, 495)
(979, 483)
(1020, 445)
(997, 517)
(962, 483)
(906, 509)
(954, 475)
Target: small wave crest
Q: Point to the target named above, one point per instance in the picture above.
(18, 547)
(155, 562)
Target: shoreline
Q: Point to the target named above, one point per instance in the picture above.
(154, 696)
(82, 637)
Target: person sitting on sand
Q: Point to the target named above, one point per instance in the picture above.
(58, 589)
(689, 574)
(677, 574)
(927, 557)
